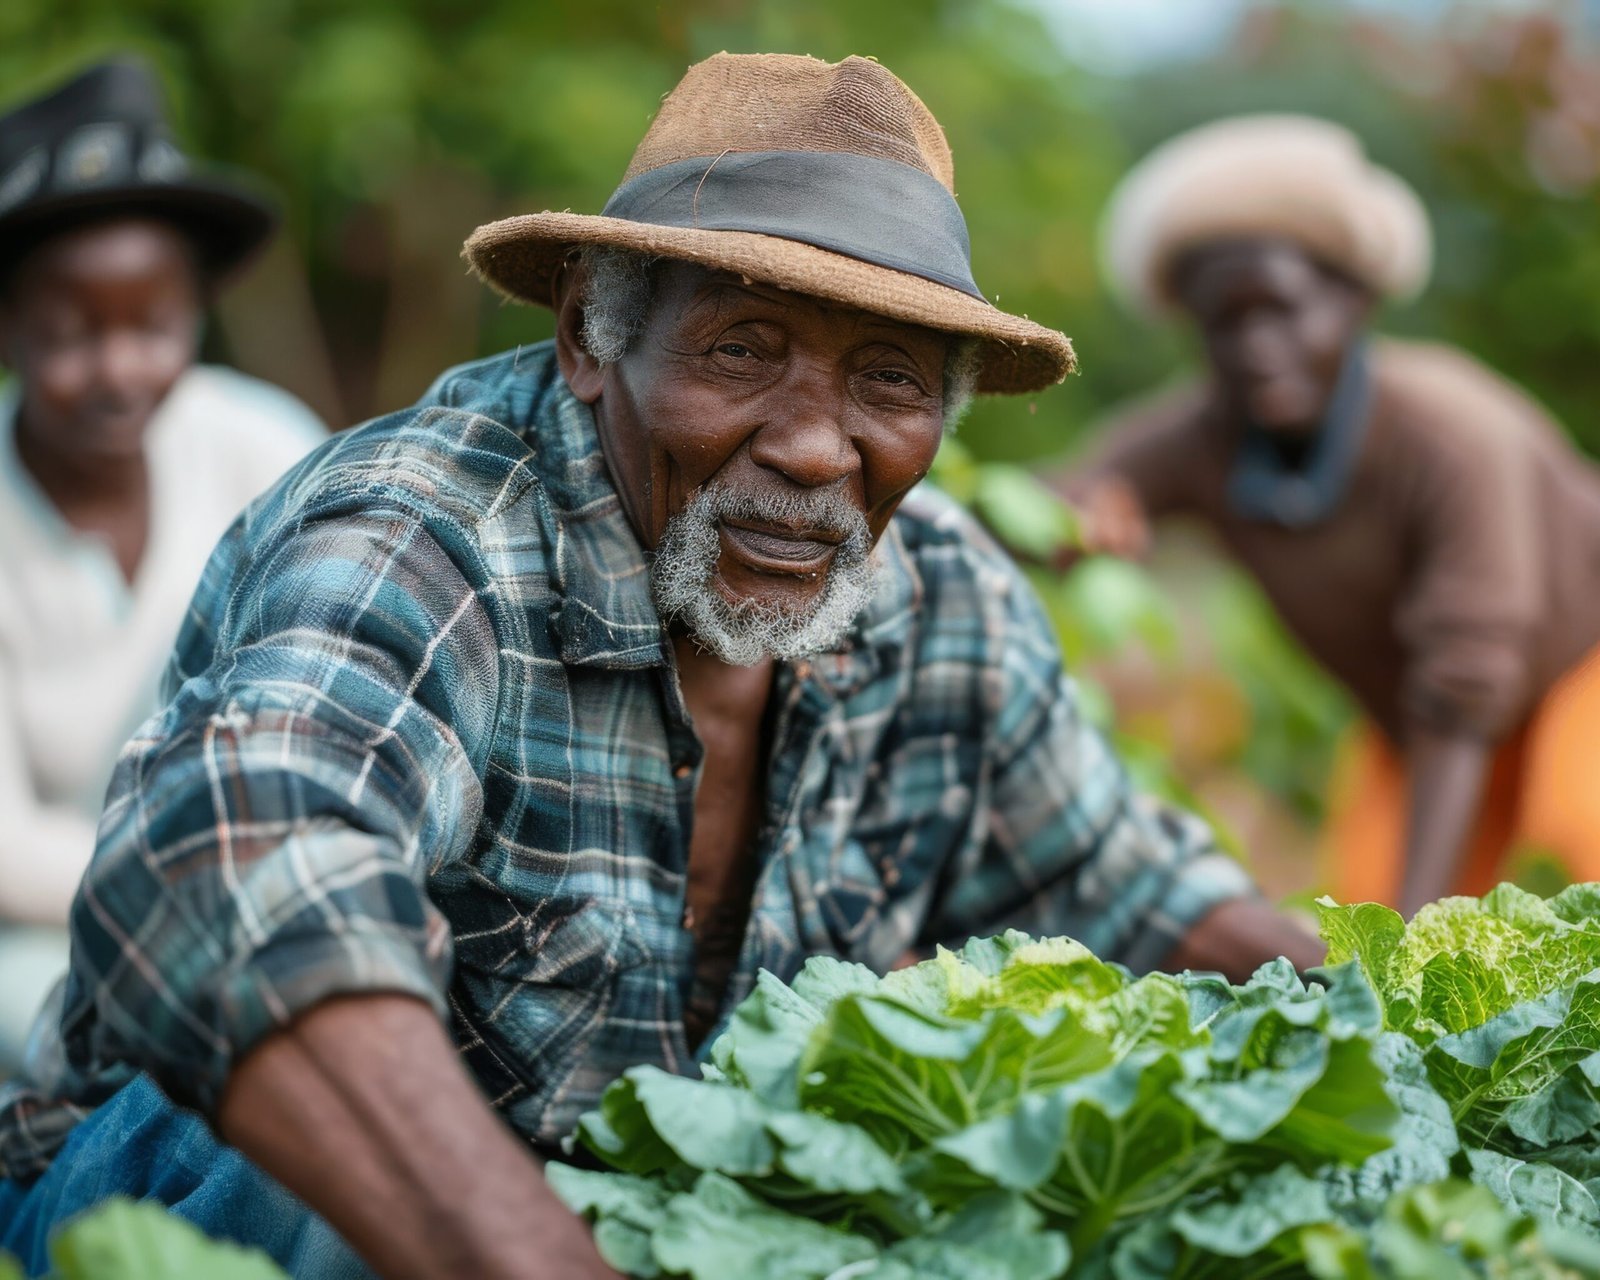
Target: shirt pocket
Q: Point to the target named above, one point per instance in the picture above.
(530, 994)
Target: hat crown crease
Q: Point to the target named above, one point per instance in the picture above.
(787, 102)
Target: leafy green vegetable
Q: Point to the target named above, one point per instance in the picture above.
(1502, 996)
(1428, 1106)
(129, 1240)
(1462, 961)
(1016, 1082)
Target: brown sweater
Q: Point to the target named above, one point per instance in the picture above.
(1458, 578)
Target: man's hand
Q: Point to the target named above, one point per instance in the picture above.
(1240, 936)
(361, 1107)
(1112, 520)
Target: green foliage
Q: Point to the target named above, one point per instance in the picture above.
(1502, 993)
(130, 1240)
(1020, 1107)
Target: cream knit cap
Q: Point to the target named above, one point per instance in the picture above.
(1287, 176)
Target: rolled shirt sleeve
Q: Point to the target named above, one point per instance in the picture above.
(1070, 847)
(1474, 597)
(270, 831)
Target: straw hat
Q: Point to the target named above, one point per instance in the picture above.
(1288, 176)
(830, 179)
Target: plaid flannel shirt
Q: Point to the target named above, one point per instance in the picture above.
(423, 734)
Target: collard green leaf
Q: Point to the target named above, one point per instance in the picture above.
(1463, 961)
(893, 1069)
(1333, 1251)
(767, 1035)
(1577, 904)
(615, 1195)
(705, 1125)
(125, 1240)
(996, 1236)
(1454, 1229)
(1253, 1212)
(828, 1156)
(1424, 1137)
(625, 1209)
(1098, 1151)
(919, 1125)
(1524, 1072)
(1580, 1160)
(628, 1249)
(1540, 1190)
(720, 1230)
(1291, 1061)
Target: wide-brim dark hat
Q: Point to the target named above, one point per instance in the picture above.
(99, 146)
(830, 179)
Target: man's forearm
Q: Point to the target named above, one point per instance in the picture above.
(1446, 781)
(362, 1109)
(1236, 938)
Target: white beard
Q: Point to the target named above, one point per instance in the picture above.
(744, 632)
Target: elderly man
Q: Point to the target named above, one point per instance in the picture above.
(514, 733)
(1422, 525)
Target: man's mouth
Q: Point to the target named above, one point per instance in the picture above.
(777, 549)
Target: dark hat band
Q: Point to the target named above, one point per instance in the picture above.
(110, 154)
(879, 211)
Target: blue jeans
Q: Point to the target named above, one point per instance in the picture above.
(142, 1146)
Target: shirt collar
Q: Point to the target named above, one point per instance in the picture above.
(606, 616)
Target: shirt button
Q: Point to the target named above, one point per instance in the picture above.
(682, 770)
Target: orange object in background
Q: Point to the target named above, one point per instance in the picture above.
(1543, 793)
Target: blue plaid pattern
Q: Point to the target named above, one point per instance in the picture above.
(423, 735)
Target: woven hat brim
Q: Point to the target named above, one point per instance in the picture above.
(521, 256)
(229, 222)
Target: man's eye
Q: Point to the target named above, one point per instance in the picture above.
(735, 349)
(892, 376)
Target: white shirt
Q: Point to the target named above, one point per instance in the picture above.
(81, 649)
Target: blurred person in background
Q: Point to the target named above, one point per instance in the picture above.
(1421, 525)
(122, 461)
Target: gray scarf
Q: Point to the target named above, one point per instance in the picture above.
(1264, 486)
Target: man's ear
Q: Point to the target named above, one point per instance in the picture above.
(581, 370)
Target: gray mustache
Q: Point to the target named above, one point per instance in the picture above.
(825, 510)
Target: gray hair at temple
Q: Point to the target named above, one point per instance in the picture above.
(620, 286)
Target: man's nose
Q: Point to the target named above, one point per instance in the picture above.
(806, 441)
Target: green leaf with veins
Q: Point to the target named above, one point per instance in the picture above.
(720, 1230)
(1178, 1127)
